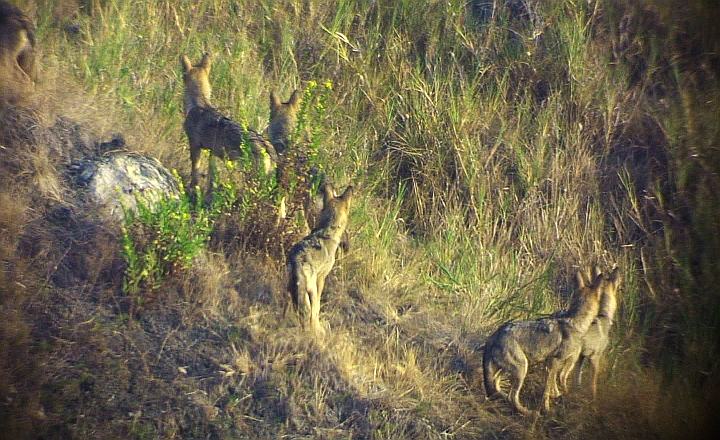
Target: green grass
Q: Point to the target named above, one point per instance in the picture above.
(495, 152)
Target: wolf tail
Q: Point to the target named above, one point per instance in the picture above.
(293, 285)
(490, 370)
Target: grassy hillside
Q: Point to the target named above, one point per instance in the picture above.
(496, 145)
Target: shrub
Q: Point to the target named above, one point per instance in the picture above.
(163, 236)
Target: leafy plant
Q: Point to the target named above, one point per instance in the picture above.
(162, 236)
(310, 133)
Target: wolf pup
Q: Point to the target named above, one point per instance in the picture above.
(283, 118)
(517, 345)
(595, 341)
(207, 128)
(310, 261)
(17, 44)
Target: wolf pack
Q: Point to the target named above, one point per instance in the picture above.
(562, 343)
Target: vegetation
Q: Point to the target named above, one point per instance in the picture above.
(496, 145)
(160, 236)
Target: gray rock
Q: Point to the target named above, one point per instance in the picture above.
(115, 180)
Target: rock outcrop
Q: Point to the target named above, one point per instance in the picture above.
(115, 180)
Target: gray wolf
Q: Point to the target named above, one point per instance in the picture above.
(595, 341)
(283, 119)
(515, 346)
(207, 128)
(310, 261)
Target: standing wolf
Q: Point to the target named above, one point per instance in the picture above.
(597, 338)
(283, 119)
(310, 261)
(207, 128)
(553, 341)
(17, 46)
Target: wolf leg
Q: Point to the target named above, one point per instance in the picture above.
(321, 285)
(306, 308)
(551, 382)
(315, 302)
(518, 371)
(565, 371)
(578, 370)
(307, 287)
(595, 365)
(212, 172)
(194, 157)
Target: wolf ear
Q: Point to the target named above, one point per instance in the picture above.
(597, 279)
(274, 101)
(580, 278)
(294, 98)
(587, 276)
(347, 194)
(206, 61)
(596, 271)
(614, 276)
(328, 193)
(186, 64)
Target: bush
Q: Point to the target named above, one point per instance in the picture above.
(163, 236)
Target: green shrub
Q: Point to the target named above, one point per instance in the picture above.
(162, 236)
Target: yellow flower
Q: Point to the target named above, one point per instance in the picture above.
(328, 84)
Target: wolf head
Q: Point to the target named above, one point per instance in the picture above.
(586, 304)
(608, 295)
(283, 117)
(336, 209)
(590, 285)
(197, 82)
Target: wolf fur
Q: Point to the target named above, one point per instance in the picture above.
(515, 346)
(597, 338)
(310, 261)
(17, 54)
(207, 128)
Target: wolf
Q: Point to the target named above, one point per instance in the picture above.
(310, 261)
(207, 128)
(595, 341)
(312, 208)
(17, 44)
(283, 119)
(552, 341)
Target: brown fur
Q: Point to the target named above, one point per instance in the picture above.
(207, 128)
(597, 338)
(17, 52)
(310, 261)
(515, 346)
(17, 41)
(283, 118)
(312, 209)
